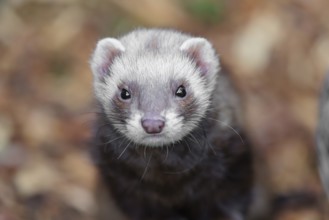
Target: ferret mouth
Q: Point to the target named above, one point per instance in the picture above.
(155, 139)
(154, 136)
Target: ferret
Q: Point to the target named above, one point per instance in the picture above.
(169, 143)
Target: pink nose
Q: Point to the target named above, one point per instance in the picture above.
(153, 126)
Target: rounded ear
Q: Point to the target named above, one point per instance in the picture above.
(203, 54)
(106, 50)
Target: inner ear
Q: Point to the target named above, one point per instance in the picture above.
(106, 51)
(202, 54)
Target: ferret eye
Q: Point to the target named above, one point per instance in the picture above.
(181, 92)
(125, 94)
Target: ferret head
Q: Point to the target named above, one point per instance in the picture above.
(154, 88)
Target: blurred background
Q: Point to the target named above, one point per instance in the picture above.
(276, 51)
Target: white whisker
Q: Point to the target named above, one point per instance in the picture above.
(146, 168)
(124, 150)
(225, 124)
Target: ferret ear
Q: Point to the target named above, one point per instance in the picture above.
(106, 50)
(203, 54)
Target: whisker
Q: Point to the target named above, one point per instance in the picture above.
(145, 152)
(196, 139)
(146, 168)
(207, 142)
(188, 146)
(167, 153)
(124, 150)
(110, 141)
(225, 124)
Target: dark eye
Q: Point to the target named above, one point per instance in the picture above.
(125, 94)
(181, 92)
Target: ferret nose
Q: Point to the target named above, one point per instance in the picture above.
(153, 126)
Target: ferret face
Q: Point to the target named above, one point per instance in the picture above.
(155, 100)
(153, 97)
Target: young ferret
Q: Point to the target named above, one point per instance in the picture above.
(169, 143)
